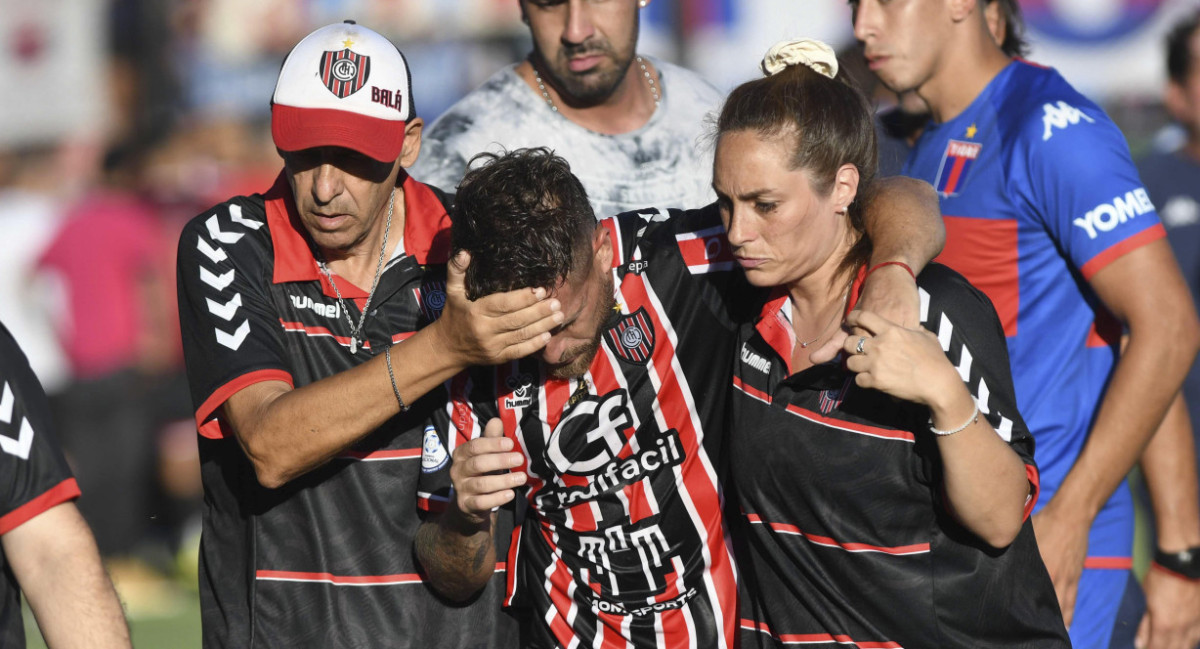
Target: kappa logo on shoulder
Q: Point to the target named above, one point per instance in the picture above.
(1059, 116)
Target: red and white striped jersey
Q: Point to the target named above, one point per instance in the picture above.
(622, 543)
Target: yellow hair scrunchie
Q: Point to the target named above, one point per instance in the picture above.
(802, 51)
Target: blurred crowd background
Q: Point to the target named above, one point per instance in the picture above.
(122, 119)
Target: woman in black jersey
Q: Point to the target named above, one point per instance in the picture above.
(882, 499)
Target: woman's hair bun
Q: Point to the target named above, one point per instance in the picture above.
(803, 51)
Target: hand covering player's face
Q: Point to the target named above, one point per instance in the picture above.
(342, 197)
(780, 229)
(587, 302)
(585, 47)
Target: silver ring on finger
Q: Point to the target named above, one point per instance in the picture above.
(858, 348)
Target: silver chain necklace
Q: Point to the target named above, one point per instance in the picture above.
(845, 298)
(641, 64)
(362, 318)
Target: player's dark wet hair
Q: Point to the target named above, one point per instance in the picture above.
(1014, 43)
(829, 124)
(1179, 51)
(525, 219)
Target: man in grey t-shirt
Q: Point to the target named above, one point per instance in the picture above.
(632, 127)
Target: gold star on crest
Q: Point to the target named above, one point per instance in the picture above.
(971, 131)
(349, 43)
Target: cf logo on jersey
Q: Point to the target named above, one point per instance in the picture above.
(590, 435)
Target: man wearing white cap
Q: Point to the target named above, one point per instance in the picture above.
(315, 450)
(631, 126)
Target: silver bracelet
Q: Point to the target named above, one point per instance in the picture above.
(392, 375)
(942, 433)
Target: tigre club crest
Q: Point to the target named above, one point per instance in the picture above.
(344, 72)
(632, 338)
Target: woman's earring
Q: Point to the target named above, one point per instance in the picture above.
(642, 4)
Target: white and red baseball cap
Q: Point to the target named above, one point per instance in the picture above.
(343, 85)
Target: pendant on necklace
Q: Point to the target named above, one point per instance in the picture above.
(353, 345)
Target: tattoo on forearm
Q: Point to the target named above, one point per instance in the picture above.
(457, 562)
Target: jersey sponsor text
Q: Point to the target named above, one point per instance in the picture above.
(1106, 216)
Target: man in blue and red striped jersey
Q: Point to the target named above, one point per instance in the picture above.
(615, 430)
(314, 447)
(1046, 214)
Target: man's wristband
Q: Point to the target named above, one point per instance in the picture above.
(1185, 564)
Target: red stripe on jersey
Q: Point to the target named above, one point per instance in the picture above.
(431, 503)
(558, 587)
(816, 638)
(1164, 569)
(985, 252)
(604, 376)
(1112, 253)
(955, 173)
(344, 580)
(674, 622)
(374, 456)
(1108, 563)
(1106, 330)
(401, 337)
(462, 416)
(610, 633)
(750, 390)
(1035, 489)
(221, 394)
(775, 328)
(555, 394)
(698, 486)
(512, 430)
(514, 560)
(314, 331)
(706, 250)
(581, 517)
(56, 495)
(850, 427)
(825, 541)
